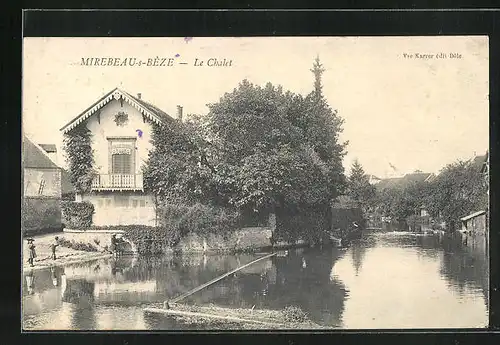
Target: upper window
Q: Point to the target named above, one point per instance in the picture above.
(121, 155)
(121, 163)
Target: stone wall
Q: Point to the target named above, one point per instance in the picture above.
(243, 239)
(251, 239)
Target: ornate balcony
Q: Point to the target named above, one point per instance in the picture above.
(117, 182)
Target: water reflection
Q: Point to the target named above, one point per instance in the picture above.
(384, 280)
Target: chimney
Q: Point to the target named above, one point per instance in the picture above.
(50, 150)
(139, 95)
(179, 113)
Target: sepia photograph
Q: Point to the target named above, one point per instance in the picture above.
(255, 183)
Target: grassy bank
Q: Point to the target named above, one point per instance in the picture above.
(215, 317)
(65, 256)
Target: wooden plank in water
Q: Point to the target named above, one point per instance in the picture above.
(190, 292)
(207, 316)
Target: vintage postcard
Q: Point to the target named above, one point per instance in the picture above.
(186, 183)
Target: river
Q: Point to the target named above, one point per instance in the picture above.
(384, 280)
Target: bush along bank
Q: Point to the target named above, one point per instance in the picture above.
(40, 216)
(87, 247)
(310, 225)
(176, 222)
(76, 214)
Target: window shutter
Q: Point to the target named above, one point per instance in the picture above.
(121, 164)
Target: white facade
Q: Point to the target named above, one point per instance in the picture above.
(106, 132)
(121, 140)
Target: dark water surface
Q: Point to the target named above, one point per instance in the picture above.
(385, 280)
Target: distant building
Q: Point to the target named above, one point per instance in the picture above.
(372, 179)
(405, 181)
(482, 164)
(475, 223)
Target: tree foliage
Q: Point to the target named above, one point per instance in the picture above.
(258, 147)
(80, 156)
(276, 148)
(404, 201)
(175, 169)
(359, 188)
(458, 191)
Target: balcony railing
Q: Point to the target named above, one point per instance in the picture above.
(117, 181)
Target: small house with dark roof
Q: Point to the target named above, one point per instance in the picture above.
(121, 127)
(41, 210)
(67, 188)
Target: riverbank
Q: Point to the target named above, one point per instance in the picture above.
(214, 317)
(65, 256)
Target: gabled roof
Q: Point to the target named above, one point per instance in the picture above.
(49, 148)
(389, 182)
(405, 181)
(417, 177)
(152, 112)
(35, 157)
(374, 179)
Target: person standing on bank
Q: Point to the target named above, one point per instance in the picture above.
(32, 252)
(114, 241)
(53, 247)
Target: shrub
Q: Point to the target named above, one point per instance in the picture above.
(77, 214)
(40, 214)
(176, 222)
(181, 220)
(294, 314)
(141, 234)
(87, 247)
(310, 225)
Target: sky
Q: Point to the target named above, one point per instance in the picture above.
(399, 109)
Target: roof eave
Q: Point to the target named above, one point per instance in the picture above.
(113, 94)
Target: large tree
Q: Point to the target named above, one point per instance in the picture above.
(258, 147)
(277, 148)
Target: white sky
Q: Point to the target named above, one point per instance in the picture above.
(413, 113)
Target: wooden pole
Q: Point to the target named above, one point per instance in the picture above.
(190, 292)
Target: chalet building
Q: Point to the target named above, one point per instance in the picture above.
(121, 127)
(41, 189)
